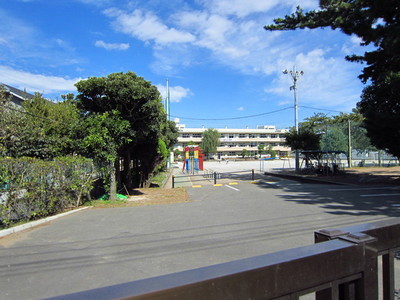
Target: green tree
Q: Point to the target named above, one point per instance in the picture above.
(244, 153)
(169, 134)
(177, 153)
(210, 141)
(377, 24)
(139, 103)
(316, 123)
(271, 151)
(380, 105)
(104, 134)
(334, 140)
(303, 140)
(40, 128)
(261, 149)
(359, 135)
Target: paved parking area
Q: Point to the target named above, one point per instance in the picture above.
(101, 247)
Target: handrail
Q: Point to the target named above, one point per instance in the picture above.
(386, 243)
(341, 265)
(291, 272)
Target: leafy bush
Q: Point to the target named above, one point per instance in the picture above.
(31, 188)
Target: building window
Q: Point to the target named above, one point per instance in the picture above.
(242, 136)
(263, 136)
(231, 136)
(282, 136)
(222, 136)
(252, 136)
(273, 136)
(185, 135)
(197, 135)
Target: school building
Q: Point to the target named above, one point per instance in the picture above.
(233, 141)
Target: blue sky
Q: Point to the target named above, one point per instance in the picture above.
(221, 64)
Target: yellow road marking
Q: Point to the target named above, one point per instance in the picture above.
(196, 186)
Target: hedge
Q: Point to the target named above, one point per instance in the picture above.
(32, 188)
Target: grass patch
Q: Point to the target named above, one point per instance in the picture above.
(145, 196)
(160, 178)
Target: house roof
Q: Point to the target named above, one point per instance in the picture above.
(16, 92)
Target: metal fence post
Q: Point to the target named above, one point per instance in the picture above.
(215, 177)
(252, 174)
(173, 181)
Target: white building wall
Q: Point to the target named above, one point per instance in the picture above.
(233, 141)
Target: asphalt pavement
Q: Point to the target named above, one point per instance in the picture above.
(100, 247)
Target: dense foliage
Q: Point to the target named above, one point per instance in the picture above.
(138, 103)
(321, 132)
(34, 188)
(377, 24)
(40, 128)
(210, 141)
(113, 120)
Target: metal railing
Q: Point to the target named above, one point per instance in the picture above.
(212, 175)
(341, 265)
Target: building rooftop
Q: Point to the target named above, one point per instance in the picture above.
(17, 95)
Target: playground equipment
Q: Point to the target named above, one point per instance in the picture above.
(193, 159)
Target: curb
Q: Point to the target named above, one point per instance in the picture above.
(22, 227)
(303, 179)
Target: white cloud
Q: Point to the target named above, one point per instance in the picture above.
(36, 82)
(146, 26)
(112, 46)
(327, 81)
(213, 32)
(231, 33)
(240, 8)
(240, 108)
(243, 8)
(177, 93)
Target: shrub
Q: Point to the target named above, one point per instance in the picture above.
(31, 188)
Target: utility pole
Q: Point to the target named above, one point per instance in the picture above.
(295, 75)
(167, 102)
(349, 158)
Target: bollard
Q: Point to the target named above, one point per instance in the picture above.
(215, 177)
(173, 181)
(252, 174)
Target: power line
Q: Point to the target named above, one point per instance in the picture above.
(309, 107)
(233, 118)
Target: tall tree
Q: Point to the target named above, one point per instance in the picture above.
(138, 102)
(303, 140)
(40, 128)
(376, 23)
(380, 105)
(334, 140)
(210, 141)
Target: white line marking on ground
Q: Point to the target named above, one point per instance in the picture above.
(231, 187)
(379, 195)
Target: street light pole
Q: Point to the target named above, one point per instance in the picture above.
(295, 75)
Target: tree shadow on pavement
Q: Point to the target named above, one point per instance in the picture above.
(363, 200)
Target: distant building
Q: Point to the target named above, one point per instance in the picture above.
(233, 141)
(17, 96)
